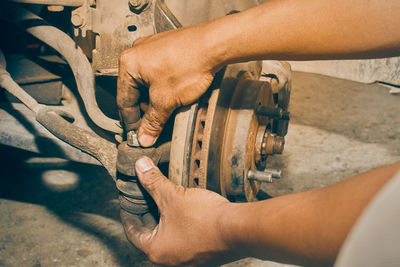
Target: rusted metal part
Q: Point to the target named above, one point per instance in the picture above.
(201, 140)
(136, 206)
(280, 74)
(164, 19)
(189, 163)
(259, 157)
(238, 148)
(138, 6)
(228, 84)
(13, 88)
(103, 150)
(43, 86)
(73, 54)
(116, 27)
(52, 120)
(133, 197)
(19, 128)
(181, 147)
(273, 112)
(272, 144)
(55, 119)
(127, 156)
(229, 139)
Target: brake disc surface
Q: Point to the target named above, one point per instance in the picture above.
(217, 141)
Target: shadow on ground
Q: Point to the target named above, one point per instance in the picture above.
(90, 199)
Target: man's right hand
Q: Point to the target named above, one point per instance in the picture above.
(176, 69)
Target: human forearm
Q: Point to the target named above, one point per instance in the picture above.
(305, 228)
(312, 29)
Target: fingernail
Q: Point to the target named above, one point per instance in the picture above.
(144, 164)
(146, 140)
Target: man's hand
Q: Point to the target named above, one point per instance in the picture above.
(174, 67)
(190, 230)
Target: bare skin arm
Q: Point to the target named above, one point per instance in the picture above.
(178, 66)
(199, 227)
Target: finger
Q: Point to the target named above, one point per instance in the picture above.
(137, 233)
(128, 92)
(152, 125)
(155, 183)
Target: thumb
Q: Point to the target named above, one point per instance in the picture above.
(152, 124)
(151, 178)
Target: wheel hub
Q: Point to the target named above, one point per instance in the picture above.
(222, 142)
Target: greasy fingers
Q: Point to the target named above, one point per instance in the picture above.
(136, 231)
(173, 67)
(152, 124)
(128, 91)
(153, 180)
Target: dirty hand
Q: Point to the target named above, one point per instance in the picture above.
(190, 230)
(174, 66)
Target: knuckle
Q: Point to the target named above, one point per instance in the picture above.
(125, 57)
(153, 123)
(128, 60)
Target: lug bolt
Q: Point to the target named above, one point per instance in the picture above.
(262, 177)
(274, 173)
(272, 112)
(132, 139)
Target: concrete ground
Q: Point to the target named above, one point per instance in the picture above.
(60, 213)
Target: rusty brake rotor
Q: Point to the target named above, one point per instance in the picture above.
(222, 142)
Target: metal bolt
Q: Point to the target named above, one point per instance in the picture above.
(135, 3)
(274, 173)
(77, 20)
(138, 6)
(132, 139)
(262, 177)
(272, 112)
(272, 144)
(279, 143)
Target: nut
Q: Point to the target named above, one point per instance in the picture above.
(77, 20)
(272, 144)
(137, 6)
(132, 139)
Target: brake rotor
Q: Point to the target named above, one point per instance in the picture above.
(217, 141)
